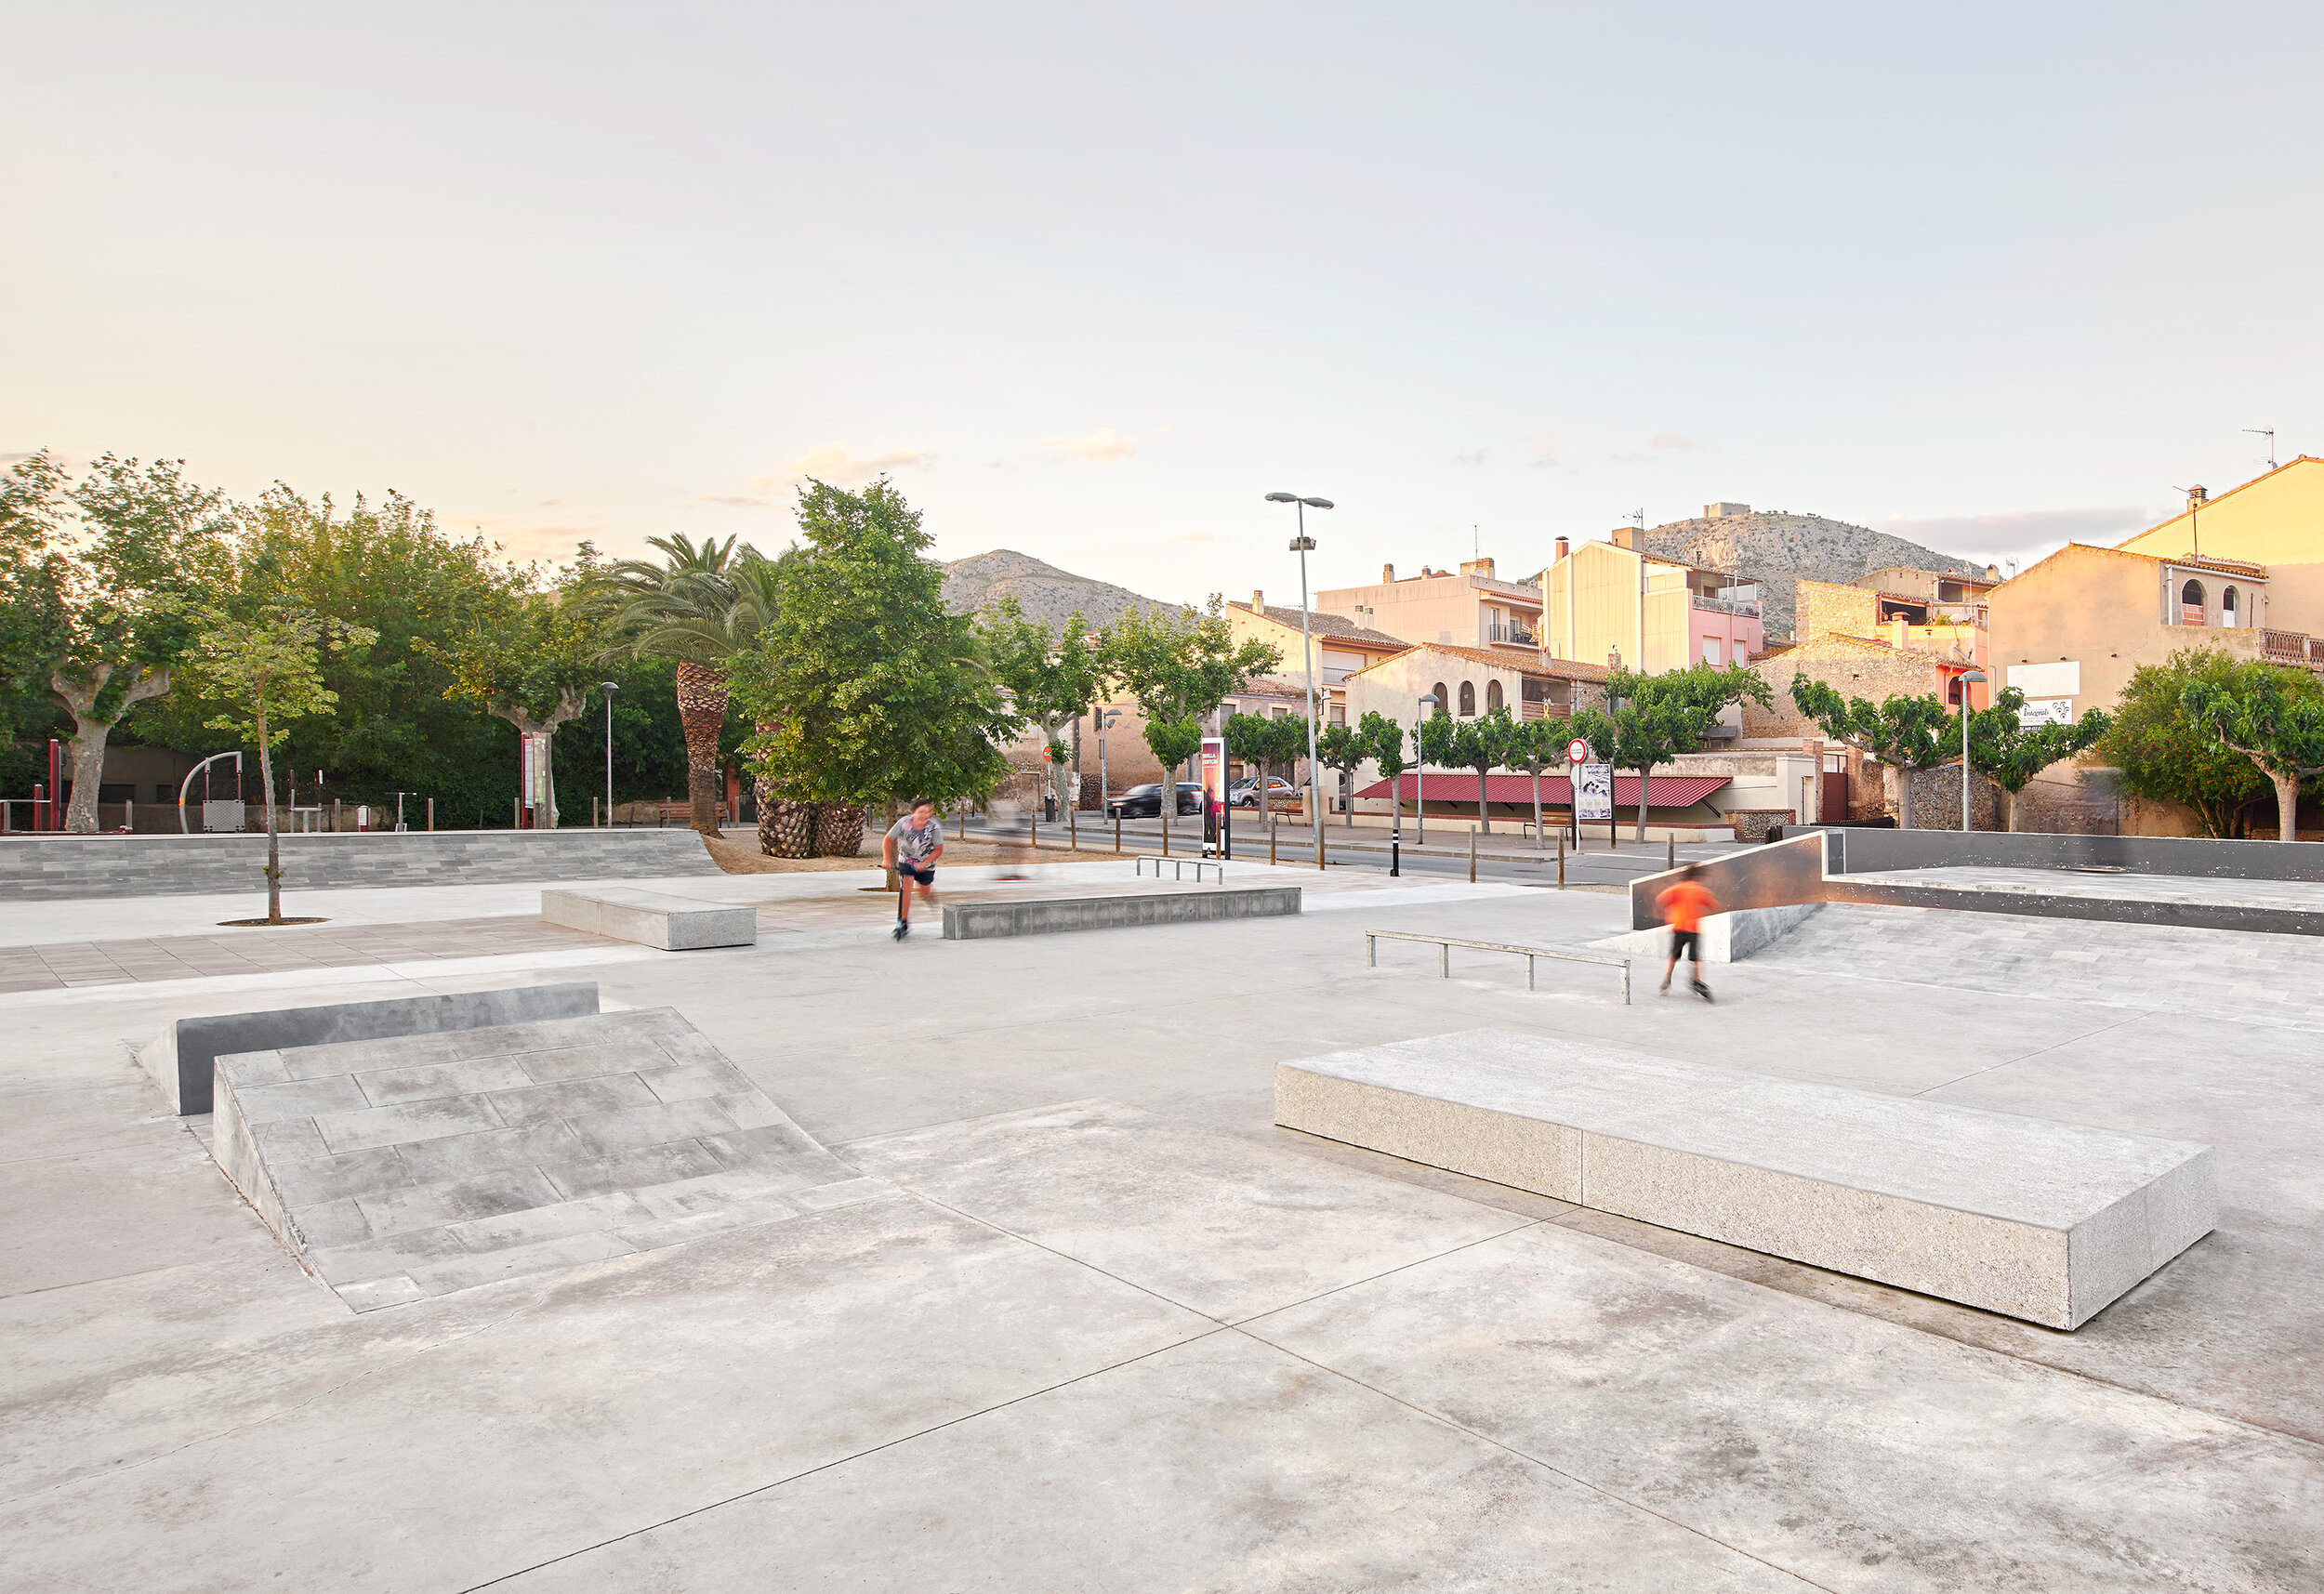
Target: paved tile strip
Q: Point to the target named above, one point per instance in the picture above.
(63, 964)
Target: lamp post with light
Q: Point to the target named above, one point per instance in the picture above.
(1976, 675)
(1420, 770)
(611, 687)
(1301, 545)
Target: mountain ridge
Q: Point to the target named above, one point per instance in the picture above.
(1778, 549)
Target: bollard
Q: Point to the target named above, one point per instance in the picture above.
(335, 816)
(431, 813)
(1670, 852)
(1117, 830)
(1472, 857)
(1561, 859)
(1271, 843)
(1319, 850)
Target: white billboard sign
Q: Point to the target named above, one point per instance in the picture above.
(2039, 711)
(2062, 678)
(1593, 792)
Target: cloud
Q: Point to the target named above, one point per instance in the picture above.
(1101, 445)
(2021, 531)
(836, 463)
(1195, 537)
(1469, 456)
(729, 501)
(1672, 441)
(534, 539)
(1546, 447)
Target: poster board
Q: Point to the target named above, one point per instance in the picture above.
(1593, 792)
(1212, 771)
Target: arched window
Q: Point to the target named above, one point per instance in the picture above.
(1492, 696)
(1952, 691)
(1468, 698)
(2227, 608)
(2191, 604)
(1444, 700)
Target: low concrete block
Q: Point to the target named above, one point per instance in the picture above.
(1726, 938)
(181, 1057)
(653, 918)
(1053, 916)
(2041, 1220)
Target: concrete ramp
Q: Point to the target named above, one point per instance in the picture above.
(402, 1168)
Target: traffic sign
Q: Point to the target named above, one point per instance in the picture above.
(1577, 751)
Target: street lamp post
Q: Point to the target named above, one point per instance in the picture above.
(1420, 768)
(1301, 545)
(611, 687)
(1973, 674)
(1105, 722)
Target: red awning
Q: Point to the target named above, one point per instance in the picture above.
(1663, 791)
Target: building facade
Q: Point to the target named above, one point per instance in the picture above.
(1611, 602)
(1471, 608)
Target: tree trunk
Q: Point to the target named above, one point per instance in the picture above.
(1536, 804)
(2008, 800)
(1904, 798)
(1485, 819)
(273, 838)
(840, 830)
(90, 733)
(1644, 772)
(702, 710)
(2287, 805)
(569, 704)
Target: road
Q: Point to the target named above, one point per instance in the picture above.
(1501, 856)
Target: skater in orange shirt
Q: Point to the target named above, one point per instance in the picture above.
(1683, 907)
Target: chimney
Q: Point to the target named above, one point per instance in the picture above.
(1387, 573)
(1563, 547)
(1257, 601)
(2196, 496)
(1993, 572)
(1896, 632)
(1483, 567)
(1624, 537)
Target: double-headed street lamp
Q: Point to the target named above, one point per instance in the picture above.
(1302, 544)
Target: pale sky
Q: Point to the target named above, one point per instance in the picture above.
(1091, 281)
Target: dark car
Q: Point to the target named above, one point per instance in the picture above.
(1146, 802)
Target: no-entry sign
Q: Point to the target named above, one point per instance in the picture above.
(1577, 751)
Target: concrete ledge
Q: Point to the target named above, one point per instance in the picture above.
(2045, 1221)
(54, 868)
(1727, 937)
(2079, 905)
(183, 1058)
(653, 918)
(1052, 915)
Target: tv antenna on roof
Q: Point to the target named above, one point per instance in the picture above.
(1637, 518)
(2270, 433)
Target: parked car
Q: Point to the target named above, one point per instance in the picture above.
(1146, 802)
(1280, 793)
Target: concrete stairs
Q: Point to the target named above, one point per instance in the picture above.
(404, 1168)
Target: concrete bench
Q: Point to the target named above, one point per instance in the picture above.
(653, 918)
(183, 1058)
(1051, 916)
(2026, 1216)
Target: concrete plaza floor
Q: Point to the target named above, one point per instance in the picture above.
(1116, 1331)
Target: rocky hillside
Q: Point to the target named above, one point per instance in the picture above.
(1045, 593)
(1777, 549)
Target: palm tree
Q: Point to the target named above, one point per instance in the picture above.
(683, 609)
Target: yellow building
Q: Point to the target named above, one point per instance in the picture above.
(2275, 521)
(1612, 602)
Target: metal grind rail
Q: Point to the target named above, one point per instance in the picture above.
(1445, 943)
(1179, 868)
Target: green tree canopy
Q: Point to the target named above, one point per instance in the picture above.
(1910, 732)
(1652, 719)
(2272, 715)
(1266, 742)
(2166, 756)
(1483, 743)
(866, 688)
(2009, 754)
(1179, 665)
(267, 670)
(1343, 749)
(102, 573)
(1051, 673)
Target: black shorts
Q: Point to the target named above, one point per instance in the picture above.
(907, 870)
(1686, 944)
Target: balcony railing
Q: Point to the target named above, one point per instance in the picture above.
(1509, 634)
(1725, 606)
(2292, 648)
(1545, 711)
